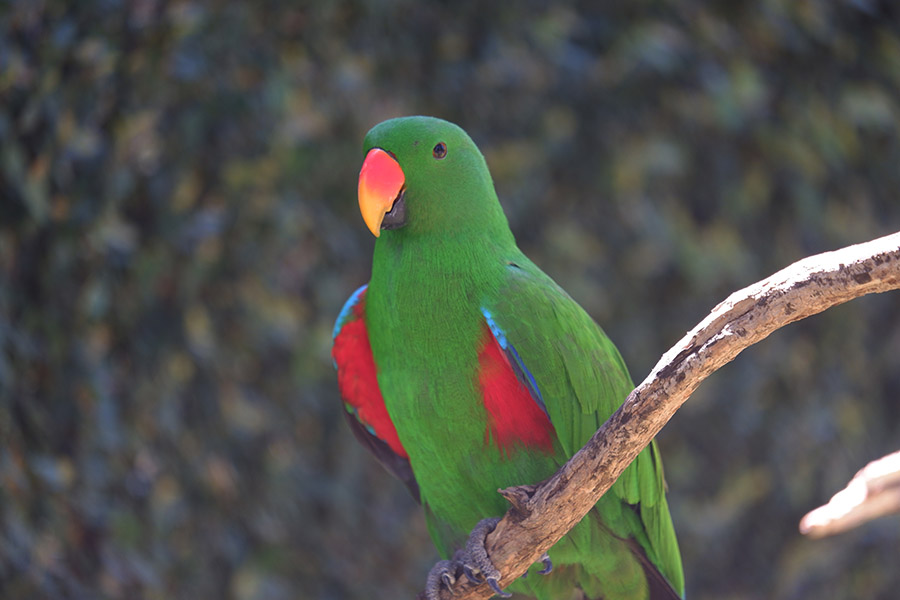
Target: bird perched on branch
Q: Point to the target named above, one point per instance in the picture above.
(464, 369)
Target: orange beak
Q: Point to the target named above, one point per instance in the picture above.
(380, 182)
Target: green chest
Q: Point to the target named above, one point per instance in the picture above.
(426, 352)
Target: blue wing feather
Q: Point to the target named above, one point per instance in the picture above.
(345, 311)
(518, 365)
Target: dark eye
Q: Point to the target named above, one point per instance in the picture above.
(439, 151)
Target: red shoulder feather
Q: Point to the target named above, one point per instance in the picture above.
(515, 417)
(357, 379)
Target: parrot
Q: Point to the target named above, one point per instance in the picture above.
(464, 369)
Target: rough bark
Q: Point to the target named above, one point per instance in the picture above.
(540, 515)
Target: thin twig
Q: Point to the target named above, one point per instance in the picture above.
(873, 492)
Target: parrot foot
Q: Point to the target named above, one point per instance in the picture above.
(477, 564)
(444, 572)
(473, 562)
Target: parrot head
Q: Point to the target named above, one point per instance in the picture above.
(423, 174)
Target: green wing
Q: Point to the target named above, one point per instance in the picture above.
(582, 380)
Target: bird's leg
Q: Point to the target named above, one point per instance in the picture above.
(443, 573)
(474, 563)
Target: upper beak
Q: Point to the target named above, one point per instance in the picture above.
(380, 183)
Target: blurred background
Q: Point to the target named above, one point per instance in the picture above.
(179, 229)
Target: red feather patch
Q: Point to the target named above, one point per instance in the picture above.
(357, 378)
(514, 417)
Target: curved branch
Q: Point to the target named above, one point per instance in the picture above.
(540, 515)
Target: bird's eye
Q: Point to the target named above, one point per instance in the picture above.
(439, 151)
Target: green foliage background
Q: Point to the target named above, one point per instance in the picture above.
(178, 230)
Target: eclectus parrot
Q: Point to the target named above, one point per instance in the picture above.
(464, 369)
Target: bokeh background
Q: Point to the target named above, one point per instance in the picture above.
(178, 230)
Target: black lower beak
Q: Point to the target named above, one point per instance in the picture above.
(396, 217)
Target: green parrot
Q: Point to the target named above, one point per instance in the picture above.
(464, 369)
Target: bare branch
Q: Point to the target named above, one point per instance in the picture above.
(873, 492)
(542, 514)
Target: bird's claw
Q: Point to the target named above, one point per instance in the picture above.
(478, 566)
(443, 572)
(494, 585)
(448, 580)
(471, 576)
(474, 563)
(548, 564)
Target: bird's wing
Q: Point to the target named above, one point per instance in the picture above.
(577, 375)
(363, 404)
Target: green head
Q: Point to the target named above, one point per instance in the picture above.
(424, 175)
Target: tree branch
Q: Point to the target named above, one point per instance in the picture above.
(873, 492)
(542, 514)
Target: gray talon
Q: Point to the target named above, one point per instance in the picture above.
(477, 554)
(492, 581)
(470, 575)
(448, 580)
(474, 561)
(442, 572)
(548, 564)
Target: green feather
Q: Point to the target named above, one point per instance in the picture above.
(430, 281)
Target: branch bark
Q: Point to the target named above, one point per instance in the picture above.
(873, 492)
(541, 515)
